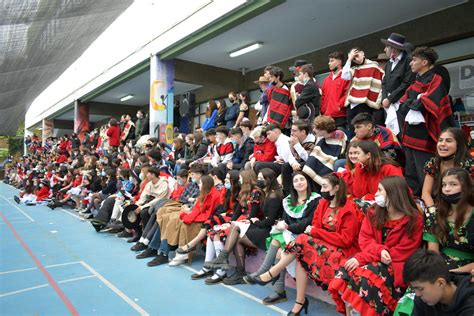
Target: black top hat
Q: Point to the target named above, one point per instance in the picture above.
(298, 63)
(395, 40)
(129, 218)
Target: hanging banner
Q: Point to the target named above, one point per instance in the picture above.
(81, 119)
(47, 129)
(161, 98)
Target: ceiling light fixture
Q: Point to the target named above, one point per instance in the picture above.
(125, 98)
(246, 49)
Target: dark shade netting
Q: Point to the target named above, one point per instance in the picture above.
(39, 39)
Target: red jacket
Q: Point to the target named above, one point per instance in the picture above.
(62, 158)
(114, 136)
(42, 193)
(347, 227)
(365, 184)
(398, 244)
(265, 152)
(202, 211)
(334, 93)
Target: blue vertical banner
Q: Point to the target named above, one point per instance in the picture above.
(161, 98)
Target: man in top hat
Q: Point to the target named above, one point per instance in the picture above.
(398, 77)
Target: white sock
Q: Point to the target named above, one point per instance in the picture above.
(220, 272)
(210, 250)
(219, 246)
(141, 239)
(145, 241)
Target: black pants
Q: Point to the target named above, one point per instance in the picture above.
(351, 113)
(272, 165)
(341, 123)
(414, 165)
(145, 216)
(105, 211)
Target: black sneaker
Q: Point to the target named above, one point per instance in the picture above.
(17, 199)
(275, 298)
(199, 276)
(134, 238)
(124, 234)
(214, 280)
(147, 253)
(160, 259)
(236, 278)
(138, 247)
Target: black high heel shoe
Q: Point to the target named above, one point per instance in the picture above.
(303, 306)
(273, 279)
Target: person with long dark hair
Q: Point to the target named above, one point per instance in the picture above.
(221, 110)
(371, 168)
(244, 107)
(451, 152)
(325, 243)
(254, 231)
(371, 281)
(299, 207)
(449, 229)
(211, 116)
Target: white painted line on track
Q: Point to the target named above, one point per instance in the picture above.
(78, 279)
(115, 289)
(245, 294)
(35, 268)
(46, 285)
(15, 206)
(25, 290)
(19, 270)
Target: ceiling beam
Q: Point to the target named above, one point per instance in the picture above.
(227, 22)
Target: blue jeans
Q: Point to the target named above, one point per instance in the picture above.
(340, 163)
(155, 242)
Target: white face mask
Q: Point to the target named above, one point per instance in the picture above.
(380, 200)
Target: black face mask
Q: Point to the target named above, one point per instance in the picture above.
(452, 198)
(261, 184)
(327, 196)
(448, 157)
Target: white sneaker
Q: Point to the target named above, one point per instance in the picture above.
(178, 259)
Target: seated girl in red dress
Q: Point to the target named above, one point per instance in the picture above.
(322, 249)
(371, 281)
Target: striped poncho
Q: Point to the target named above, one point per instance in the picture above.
(327, 150)
(366, 85)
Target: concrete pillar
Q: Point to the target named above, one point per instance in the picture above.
(81, 118)
(161, 99)
(48, 129)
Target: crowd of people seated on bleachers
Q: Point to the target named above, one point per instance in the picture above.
(341, 182)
